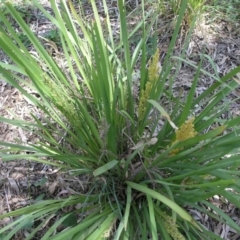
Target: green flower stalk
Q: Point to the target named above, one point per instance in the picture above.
(153, 74)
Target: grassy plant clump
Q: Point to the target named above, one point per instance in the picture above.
(194, 8)
(223, 10)
(141, 182)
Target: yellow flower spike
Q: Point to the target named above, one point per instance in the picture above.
(153, 70)
(172, 228)
(153, 74)
(185, 132)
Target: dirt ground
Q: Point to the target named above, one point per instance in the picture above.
(23, 181)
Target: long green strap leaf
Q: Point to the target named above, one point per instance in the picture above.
(128, 205)
(153, 224)
(161, 198)
(103, 228)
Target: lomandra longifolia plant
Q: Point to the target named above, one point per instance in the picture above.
(143, 165)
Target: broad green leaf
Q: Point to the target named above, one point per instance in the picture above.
(105, 168)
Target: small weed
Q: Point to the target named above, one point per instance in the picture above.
(227, 9)
(173, 7)
(24, 39)
(53, 35)
(150, 44)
